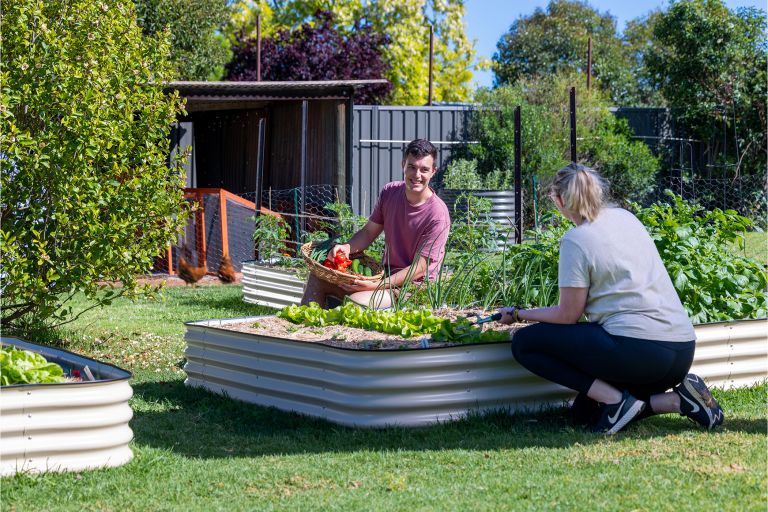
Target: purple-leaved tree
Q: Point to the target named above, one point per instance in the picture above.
(316, 52)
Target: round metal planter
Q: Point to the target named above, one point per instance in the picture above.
(68, 426)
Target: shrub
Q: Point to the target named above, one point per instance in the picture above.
(271, 235)
(88, 195)
(604, 143)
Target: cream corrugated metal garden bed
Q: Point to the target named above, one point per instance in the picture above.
(68, 426)
(274, 287)
(415, 387)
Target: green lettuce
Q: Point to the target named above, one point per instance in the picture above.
(18, 366)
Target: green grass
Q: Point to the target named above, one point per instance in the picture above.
(756, 246)
(197, 451)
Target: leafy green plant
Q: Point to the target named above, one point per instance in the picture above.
(345, 224)
(88, 195)
(714, 283)
(472, 229)
(19, 366)
(462, 174)
(270, 237)
(403, 322)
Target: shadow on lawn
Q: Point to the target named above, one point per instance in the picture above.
(197, 423)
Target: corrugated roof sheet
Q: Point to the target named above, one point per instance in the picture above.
(277, 89)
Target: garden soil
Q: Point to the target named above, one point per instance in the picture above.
(351, 337)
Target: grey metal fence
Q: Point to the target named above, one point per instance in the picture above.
(381, 133)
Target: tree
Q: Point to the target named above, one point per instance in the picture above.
(605, 141)
(316, 52)
(709, 63)
(406, 23)
(555, 41)
(88, 195)
(198, 50)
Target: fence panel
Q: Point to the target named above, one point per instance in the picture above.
(381, 134)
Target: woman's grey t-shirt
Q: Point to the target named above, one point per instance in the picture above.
(630, 292)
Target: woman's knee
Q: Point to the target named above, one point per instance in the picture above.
(523, 341)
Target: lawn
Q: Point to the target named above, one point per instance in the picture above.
(198, 451)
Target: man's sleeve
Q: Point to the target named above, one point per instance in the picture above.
(377, 215)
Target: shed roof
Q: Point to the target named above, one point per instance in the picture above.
(223, 95)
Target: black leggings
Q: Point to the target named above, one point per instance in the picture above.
(575, 355)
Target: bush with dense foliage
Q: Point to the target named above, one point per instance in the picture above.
(88, 196)
(604, 141)
(198, 49)
(316, 52)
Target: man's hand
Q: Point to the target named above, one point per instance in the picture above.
(359, 285)
(345, 248)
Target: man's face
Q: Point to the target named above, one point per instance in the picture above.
(418, 171)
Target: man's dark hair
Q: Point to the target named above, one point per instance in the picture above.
(421, 148)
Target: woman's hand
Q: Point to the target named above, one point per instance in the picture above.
(509, 315)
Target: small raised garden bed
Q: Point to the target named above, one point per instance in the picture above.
(380, 380)
(66, 426)
(271, 286)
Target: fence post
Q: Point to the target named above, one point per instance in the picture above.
(573, 124)
(518, 181)
(223, 222)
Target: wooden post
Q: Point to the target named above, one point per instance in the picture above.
(431, 54)
(223, 221)
(200, 231)
(170, 261)
(258, 48)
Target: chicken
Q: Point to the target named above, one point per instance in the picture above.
(190, 274)
(227, 271)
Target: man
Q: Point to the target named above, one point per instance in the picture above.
(415, 223)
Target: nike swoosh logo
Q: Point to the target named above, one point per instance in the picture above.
(694, 404)
(615, 417)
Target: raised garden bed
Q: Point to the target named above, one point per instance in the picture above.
(67, 426)
(355, 383)
(271, 286)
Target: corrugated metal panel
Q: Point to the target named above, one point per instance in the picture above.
(732, 354)
(411, 387)
(66, 426)
(363, 388)
(380, 134)
(270, 287)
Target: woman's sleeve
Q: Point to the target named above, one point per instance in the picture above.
(573, 270)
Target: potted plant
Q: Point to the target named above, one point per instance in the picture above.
(274, 279)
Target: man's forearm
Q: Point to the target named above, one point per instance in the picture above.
(406, 274)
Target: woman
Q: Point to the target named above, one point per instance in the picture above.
(639, 341)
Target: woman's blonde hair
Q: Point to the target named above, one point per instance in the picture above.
(582, 190)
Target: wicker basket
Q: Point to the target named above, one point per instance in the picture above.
(334, 276)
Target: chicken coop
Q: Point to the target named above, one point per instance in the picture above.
(244, 140)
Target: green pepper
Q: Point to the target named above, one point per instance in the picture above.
(367, 271)
(356, 266)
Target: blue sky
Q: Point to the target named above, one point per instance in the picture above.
(487, 20)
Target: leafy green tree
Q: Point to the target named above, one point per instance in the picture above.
(638, 38)
(556, 40)
(709, 63)
(604, 143)
(88, 194)
(405, 22)
(198, 49)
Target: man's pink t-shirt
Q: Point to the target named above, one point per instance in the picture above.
(410, 230)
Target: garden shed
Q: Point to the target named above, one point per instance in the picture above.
(249, 144)
(246, 137)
